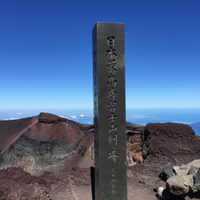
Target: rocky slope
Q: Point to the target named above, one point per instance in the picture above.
(40, 143)
(170, 142)
(56, 145)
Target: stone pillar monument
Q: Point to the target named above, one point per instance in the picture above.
(109, 111)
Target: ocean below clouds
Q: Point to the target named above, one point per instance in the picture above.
(137, 116)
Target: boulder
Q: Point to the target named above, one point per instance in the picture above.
(163, 194)
(179, 185)
(190, 168)
(166, 172)
(197, 180)
(186, 175)
(169, 143)
(193, 169)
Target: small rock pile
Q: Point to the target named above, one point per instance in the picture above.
(181, 181)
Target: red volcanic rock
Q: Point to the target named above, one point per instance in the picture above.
(51, 127)
(170, 142)
(41, 143)
(50, 118)
(11, 130)
(45, 127)
(70, 184)
(137, 157)
(44, 142)
(133, 143)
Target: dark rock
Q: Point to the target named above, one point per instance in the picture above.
(166, 172)
(170, 142)
(197, 180)
(192, 170)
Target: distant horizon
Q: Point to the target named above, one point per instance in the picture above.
(133, 115)
(92, 108)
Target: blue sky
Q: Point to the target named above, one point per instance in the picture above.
(46, 52)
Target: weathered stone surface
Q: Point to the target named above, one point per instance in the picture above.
(170, 142)
(181, 170)
(166, 172)
(109, 111)
(190, 168)
(197, 180)
(193, 169)
(179, 184)
(189, 174)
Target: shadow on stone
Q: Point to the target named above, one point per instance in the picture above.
(92, 175)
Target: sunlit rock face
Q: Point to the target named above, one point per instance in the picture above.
(170, 142)
(39, 143)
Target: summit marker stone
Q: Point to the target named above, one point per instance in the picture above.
(109, 111)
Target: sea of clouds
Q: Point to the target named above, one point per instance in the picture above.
(138, 116)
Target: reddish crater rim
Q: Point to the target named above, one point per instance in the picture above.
(50, 118)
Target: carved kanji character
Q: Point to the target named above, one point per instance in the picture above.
(112, 117)
(113, 171)
(112, 93)
(111, 81)
(111, 66)
(114, 191)
(112, 139)
(113, 181)
(111, 53)
(112, 128)
(111, 41)
(111, 106)
(113, 186)
(113, 156)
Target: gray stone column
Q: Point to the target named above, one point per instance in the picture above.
(109, 111)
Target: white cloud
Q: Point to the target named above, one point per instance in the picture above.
(137, 116)
(11, 119)
(63, 117)
(89, 122)
(82, 115)
(182, 122)
(19, 113)
(73, 117)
